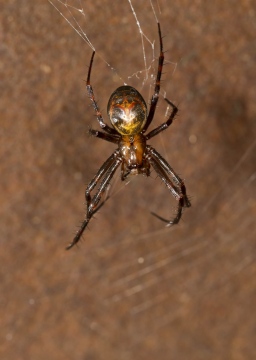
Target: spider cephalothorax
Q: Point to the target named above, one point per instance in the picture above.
(127, 111)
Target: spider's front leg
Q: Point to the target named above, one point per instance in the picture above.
(178, 190)
(105, 174)
(175, 178)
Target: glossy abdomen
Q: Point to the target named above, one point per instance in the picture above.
(127, 110)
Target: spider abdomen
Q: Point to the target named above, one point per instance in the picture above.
(127, 110)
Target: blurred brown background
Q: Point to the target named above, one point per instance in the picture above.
(132, 289)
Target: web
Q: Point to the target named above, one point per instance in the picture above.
(155, 277)
(75, 14)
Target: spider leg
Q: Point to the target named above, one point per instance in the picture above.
(101, 172)
(104, 126)
(165, 125)
(155, 96)
(105, 174)
(114, 138)
(175, 178)
(176, 190)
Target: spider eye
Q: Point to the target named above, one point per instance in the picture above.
(127, 110)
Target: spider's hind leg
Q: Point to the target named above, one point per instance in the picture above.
(90, 92)
(114, 138)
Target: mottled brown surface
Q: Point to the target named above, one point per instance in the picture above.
(132, 289)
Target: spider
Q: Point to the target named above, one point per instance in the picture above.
(127, 111)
